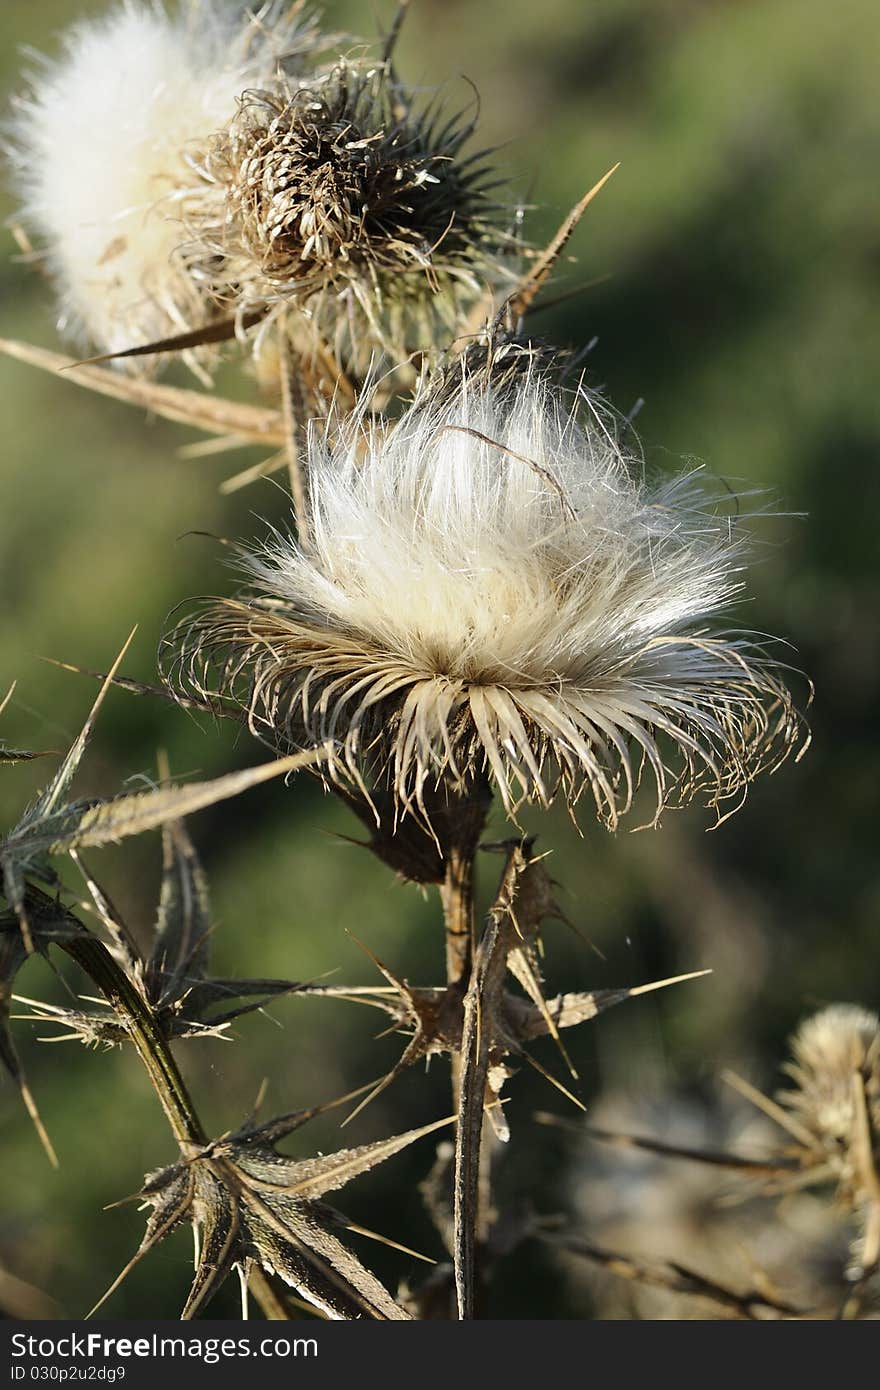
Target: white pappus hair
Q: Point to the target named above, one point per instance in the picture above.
(101, 146)
(488, 588)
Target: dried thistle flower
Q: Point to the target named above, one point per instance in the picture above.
(829, 1049)
(341, 198)
(835, 1109)
(103, 146)
(489, 588)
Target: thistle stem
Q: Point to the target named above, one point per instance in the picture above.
(153, 1050)
(457, 894)
(293, 409)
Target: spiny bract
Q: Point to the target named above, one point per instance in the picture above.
(341, 199)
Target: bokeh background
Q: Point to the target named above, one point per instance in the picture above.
(740, 248)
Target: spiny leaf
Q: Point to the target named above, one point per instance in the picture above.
(179, 956)
(105, 822)
(568, 1010)
(251, 1204)
(314, 1177)
(218, 1248)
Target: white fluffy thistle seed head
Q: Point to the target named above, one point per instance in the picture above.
(490, 588)
(104, 144)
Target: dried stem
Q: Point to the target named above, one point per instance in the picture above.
(153, 1050)
(293, 408)
(457, 894)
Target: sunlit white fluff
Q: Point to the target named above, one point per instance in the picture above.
(490, 587)
(102, 145)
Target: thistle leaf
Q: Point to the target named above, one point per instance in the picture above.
(250, 1204)
(179, 956)
(17, 755)
(104, 822)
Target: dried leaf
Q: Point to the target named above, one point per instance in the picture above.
(179, 957)
(104, 822)
(251, 1204)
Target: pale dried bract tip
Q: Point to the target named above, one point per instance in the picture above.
(830, 1050)
(103, 147)
(351, 203)
(491, 588)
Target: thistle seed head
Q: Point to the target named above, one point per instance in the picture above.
(491, 588)
(342, 199)
(832, 1050)
(103, 148)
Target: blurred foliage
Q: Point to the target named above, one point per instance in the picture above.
(740, 245)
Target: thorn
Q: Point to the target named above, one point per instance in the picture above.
(523, 296)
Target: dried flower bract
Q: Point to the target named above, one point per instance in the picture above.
(339, 197)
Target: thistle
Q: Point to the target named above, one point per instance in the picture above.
(104, 144)
(490, 590)
(341, 199)
(834, 1109)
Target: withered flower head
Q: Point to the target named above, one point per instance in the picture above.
(835, 1052)
(103, 147)
(343, 199)
(490, 588)
(834, 1114)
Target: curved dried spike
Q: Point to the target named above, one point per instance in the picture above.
(526, 291)
(247, 423)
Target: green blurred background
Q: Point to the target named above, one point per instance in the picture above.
(741, 244)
